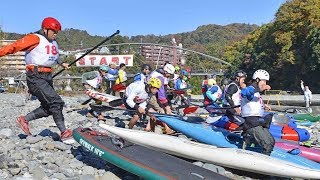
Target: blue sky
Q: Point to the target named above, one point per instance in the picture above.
(135, 17)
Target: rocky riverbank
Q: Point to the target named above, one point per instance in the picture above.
(42, 156)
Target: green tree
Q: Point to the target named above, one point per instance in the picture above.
(288, 47)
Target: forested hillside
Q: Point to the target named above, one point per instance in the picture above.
(210, 39)
(288, 47)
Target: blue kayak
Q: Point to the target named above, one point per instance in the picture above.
(208, 134)
(280, 118)
(285, 132)
(304, 123)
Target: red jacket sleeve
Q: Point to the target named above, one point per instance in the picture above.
(26, 43)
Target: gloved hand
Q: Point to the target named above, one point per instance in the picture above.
(248, 93)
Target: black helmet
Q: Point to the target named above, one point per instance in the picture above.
(224, 81)
(240, 73)
(145, 66)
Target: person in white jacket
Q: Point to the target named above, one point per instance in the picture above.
(307, 95)
(137, 98)
(94, 80)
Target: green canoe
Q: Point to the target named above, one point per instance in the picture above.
(305, 116)
(144, 162)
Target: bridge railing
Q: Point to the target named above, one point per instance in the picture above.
(273, 93)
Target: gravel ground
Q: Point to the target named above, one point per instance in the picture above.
(42, 156)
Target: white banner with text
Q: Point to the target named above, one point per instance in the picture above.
(97, 60)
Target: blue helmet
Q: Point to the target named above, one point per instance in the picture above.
(184, 72)
(104, 68)
(137, 77)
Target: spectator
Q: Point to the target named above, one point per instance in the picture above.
(122, 78)
(307, 95)
(111, 77)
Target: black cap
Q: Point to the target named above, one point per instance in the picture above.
(240, 73)
(145, 66)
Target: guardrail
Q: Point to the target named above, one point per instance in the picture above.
(128, 75)
(276, 93)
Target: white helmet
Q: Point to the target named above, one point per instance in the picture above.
(261, 74)
(169, 68)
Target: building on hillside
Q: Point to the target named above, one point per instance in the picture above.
(13, 64)
(158, 55)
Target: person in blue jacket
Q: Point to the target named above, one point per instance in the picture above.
(111, 77)
(144, 74)
(252, 109)
(212, 96)
(181, 83)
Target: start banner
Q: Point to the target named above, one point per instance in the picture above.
(97, 60)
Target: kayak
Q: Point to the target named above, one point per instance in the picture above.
(306, 116)
(277, 131)
(288, 133)
(209, 134)
(100, 96)
(139, 160)
(303, 123)
(228, 157)
(306, 152)
(283, 120)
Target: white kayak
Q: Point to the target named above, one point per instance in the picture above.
(228, 157)
(100, 96)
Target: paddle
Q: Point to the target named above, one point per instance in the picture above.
(102, 108)
(87, 52)
(116, 102)
(192, 109)
(86, 101)
(179, 91)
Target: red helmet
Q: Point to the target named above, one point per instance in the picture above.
(51, 23)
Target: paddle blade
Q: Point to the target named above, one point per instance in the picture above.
(190, 109)
(176, 91)
(119, 87)
(86, 102)
(116, 102)
(100, 108)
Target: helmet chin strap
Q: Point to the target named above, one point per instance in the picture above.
(45, 32)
